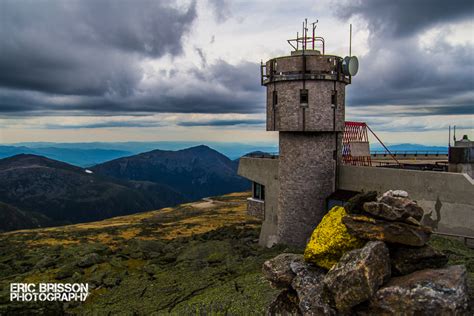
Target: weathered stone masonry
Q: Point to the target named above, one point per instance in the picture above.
(305, 103)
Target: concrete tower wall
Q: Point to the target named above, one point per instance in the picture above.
(320, 76)
(319, 115)
(307, 173)
(306, 104)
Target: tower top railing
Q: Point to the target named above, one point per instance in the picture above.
(305, 42)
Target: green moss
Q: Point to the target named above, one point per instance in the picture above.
(330, 240)
(458, 253)
(212, 273)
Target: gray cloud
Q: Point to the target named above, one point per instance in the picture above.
(219, 88)
(83, 58)
(221, 9)
(399, 71)
(80, 57)
(406, 17)
(222, 122)
(86, 48)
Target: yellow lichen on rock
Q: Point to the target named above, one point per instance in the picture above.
(330, 240)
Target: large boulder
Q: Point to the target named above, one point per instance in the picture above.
(406, 260)
(309, 286)
(393, 232)
(409, 206)
(358, 275)
(330, 240)
(278, 270)
(426, 292)
(390, 213)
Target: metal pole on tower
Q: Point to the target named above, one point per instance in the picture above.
(350, 40)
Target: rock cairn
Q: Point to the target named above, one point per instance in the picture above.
(367, 258)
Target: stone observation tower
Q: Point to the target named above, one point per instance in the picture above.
(305, 104)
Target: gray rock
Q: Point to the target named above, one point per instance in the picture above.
(286, 303)
(406, 260)
(387, 212)
(151, 269)
(396, 193)
(392, 232)
(149, 248)
(411, 208)
(278, 270)
(77, 277)
(358, 275)
(355, 204)
(412, 221)
(46, 262)
(309, 286)
(112, 280)
(426, 292)
(65, 272)
(89, 260)
(97, 278)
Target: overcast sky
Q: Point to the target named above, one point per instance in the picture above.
(189, 70)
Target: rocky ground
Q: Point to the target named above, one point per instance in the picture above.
(195, 258)
(373, 257)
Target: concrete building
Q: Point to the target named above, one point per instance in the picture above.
(461, 156)
(293, 191)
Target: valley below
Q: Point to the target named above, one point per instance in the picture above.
(195, 258)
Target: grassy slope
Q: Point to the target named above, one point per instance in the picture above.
(194, 257)
(198, 257)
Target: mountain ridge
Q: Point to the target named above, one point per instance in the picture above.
(62, 193)
(197, 171)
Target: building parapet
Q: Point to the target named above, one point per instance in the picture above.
(446, 197)
(261, 170)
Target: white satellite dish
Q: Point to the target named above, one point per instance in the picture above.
(350, 65)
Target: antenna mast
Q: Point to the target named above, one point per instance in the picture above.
(350, 40)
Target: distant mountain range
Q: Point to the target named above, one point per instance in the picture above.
(82, 157)
(36, 191)
(86, 155)
(90, 154)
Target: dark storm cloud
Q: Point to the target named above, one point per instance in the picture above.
(398, 70)
(406, 17)
(83, 58)
(223, 122)
(86, 47)
(219, 88)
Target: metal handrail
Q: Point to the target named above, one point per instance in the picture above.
(464, 237)
(410, 152)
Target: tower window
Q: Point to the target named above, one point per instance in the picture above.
(258, 191)
(304, 96)
(275, 97)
